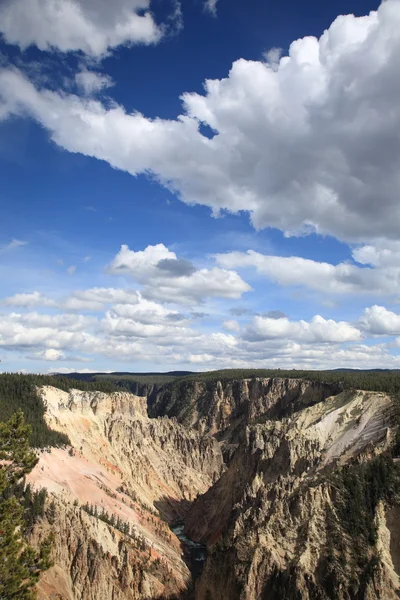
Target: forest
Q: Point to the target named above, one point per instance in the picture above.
(370, 380)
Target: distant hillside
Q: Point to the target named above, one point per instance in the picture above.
(148, 384)
(141, 384)
(151, 377)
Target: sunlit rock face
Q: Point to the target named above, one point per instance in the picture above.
(136, 470)
(288, 483)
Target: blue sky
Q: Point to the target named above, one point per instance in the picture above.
(150, 220)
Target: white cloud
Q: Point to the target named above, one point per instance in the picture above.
(43, 331)
(63, 321)
(309, 145)
(94, 299)
(384, 255)
(146, 311)
(377, 320)
(383, 278)
(28, 300)
(211, 7)
(91, 82)
(50, 354)
(144, 331)
(92, 26)
(231, 325)
(166, 278)
(318, 330)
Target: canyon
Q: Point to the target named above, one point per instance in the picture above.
(292, 485)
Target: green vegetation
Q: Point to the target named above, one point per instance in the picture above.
(128, 380)
(20, 392)
(150, 379)
(373, 380)
(117, 522)
(20, 564)
(356, 491)
(378, 381)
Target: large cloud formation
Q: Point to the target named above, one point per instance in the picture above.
(306, 143)
(155, 323)
(148, 332)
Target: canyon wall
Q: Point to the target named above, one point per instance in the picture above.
(304, 510)
(293, 485)
(134, 472)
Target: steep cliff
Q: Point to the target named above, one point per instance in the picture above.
(112, 492)
(224, 408)
(305, 509)
(306, 506)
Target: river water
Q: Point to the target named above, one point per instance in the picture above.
(195, 553)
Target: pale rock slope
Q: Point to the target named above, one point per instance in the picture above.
(140, 472)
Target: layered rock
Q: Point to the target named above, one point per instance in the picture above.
(224, 408)
(302, 511)
(134, 473)
(307, 507)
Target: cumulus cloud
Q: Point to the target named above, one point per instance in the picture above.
(92, 26)
(167, 278)
(318, 330)
(32, 330)
(377, 320)
(146, 331)
(308, 144)
(380, 273)
(50, 355)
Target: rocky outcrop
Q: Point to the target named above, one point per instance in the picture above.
(303, 510)
(111, 493)
(224, 408)
(93, 560)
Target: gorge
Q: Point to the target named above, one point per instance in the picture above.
(288, 488)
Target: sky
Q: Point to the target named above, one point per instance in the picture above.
(199, 185)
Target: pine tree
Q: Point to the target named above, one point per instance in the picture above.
(20, 564)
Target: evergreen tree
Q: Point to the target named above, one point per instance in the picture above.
(20, 564)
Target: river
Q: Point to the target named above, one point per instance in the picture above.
(195, 553)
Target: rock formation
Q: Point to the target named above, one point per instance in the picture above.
(133, 470)
(305, 507)
(224, 408)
